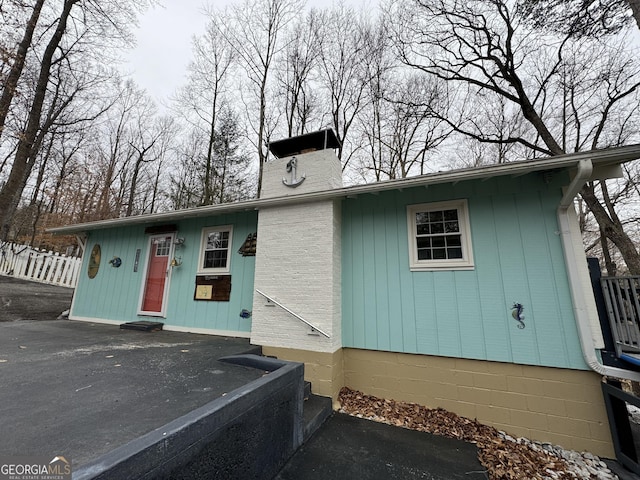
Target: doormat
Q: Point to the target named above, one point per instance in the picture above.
(143, 326)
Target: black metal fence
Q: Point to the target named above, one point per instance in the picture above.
(624, 431)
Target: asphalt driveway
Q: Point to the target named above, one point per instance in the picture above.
(353, 448)
(24, 300)
(79, 389)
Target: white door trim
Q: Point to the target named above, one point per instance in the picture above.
(165, 293)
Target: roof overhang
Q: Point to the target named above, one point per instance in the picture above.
(605, 162)
(307, 142)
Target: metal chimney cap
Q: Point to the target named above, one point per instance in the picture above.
(309, 142)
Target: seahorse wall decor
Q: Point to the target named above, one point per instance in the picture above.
(516, 313)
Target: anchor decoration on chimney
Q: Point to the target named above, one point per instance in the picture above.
(292, 166)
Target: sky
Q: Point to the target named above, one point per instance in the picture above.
(159, 61)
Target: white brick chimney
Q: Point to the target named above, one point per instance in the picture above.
(298, 260)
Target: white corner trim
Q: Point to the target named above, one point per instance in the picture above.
(104, 321)
(168, 328)
(207, 331)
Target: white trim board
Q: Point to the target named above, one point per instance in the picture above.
(169, 328)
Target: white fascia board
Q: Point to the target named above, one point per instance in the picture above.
(599, 158)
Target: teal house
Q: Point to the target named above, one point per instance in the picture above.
(466, 289)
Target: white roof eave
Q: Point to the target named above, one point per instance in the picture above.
(612, 156)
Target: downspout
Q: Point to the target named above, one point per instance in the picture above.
(585, 169)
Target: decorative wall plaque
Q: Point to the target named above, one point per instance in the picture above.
(292, 170)
(94, 261)
(204, 292)
(248, 248)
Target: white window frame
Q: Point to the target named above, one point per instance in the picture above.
(203, 243)
(464, 263)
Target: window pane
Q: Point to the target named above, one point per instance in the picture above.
(423, 229)
(163, 246)
(435, 216)
(438, 242)
(212, 240)
(208, 260)
(424, 254)
(450, 215)
(453, 241)
(215, 259)
(437, 228)
(422, 217)
(451, 227)
(216, 247)
(423, 242)
(217, 240)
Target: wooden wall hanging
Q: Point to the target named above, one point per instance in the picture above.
(213, 288)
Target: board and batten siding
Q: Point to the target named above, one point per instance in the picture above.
(466, 313)
(114, 293)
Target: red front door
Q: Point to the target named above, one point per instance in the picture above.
(157, 273)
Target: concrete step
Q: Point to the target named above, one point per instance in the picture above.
(143, 326)
(253, 350)
(316, 409)
(307, 389)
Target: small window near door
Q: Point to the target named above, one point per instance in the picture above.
(215, 250)
(163, 246)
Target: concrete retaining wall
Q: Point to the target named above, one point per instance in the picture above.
(248, 434)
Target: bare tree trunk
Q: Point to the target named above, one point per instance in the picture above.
(464, 46)
(37, 212)
(136, 172)
(256, 43)
(208, 191)
(134, 183)
(262, 157)
(612, 230)
(635, 9)
(23, 161)
(41, 171)
(606, 254)
(156, 184)
(11, 82)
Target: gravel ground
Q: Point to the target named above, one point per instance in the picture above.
(503, 456)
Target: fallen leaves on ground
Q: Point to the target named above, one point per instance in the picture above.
(503, 459)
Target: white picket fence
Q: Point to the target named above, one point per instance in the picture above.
(22, 261)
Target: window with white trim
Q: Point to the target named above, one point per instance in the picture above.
(439, 236)
(215, 248)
